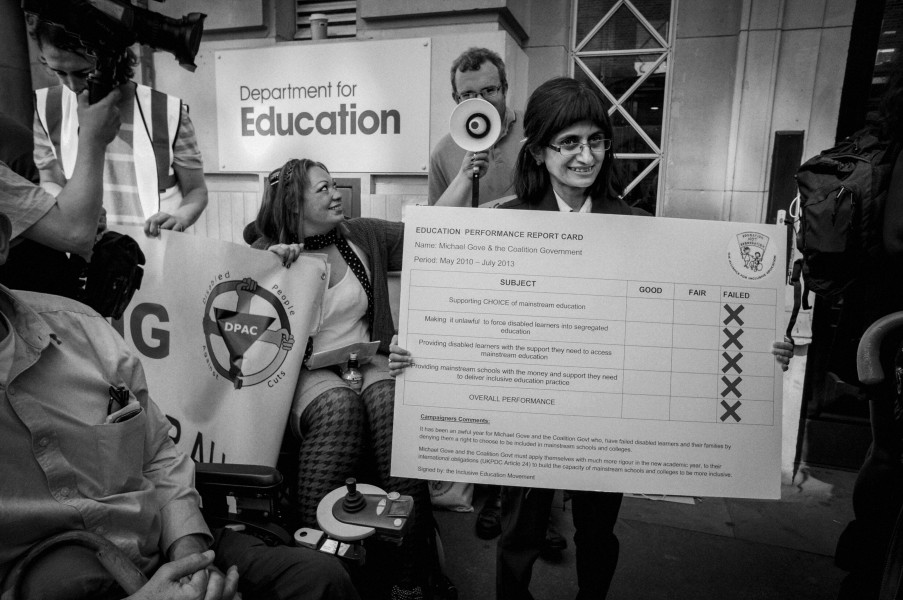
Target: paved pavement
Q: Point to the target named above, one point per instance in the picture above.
(704, 549)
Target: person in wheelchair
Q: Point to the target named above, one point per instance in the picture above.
(345, 430)
(85, 452)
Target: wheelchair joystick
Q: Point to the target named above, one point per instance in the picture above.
(354, 501)
(357, 510)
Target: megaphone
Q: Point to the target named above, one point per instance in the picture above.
(475, 125)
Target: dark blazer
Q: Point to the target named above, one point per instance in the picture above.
(525, 514)
(610, 207)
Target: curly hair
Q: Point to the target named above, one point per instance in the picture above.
(471, 60)
(553, 106)
(283, 197)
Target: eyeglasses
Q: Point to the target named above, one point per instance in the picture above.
(487, 93)
(571, 147)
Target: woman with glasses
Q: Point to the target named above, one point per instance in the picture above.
(565, 164)
(566, 159)
(343, 431)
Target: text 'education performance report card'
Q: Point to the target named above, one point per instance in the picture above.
(587, 351)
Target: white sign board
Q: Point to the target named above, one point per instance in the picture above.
(356, 107)
(586, 351)
(221, 331)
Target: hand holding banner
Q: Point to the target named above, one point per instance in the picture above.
(222, 340)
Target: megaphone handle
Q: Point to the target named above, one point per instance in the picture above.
(475, 188)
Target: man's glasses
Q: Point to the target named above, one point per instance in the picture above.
(487, 93)
(572, 147)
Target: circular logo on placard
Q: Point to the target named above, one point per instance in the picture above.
(751, 256)
(247, 332)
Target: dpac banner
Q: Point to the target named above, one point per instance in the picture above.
(320, 100)
(221, 331)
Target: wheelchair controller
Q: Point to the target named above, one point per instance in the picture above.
(349, 514)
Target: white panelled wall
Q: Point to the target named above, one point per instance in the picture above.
(235, 199)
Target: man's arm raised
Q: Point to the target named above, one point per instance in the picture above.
(458, 192)
(71, 223)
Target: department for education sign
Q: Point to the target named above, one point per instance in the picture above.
(356, 106)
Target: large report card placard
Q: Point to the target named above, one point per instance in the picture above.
(596, 352)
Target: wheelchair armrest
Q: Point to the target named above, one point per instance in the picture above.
(253, 491)
(868, 358)
(236, 479)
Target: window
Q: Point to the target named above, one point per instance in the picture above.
(878, 29)
(623, 47)
(888, 54)
(341, 15)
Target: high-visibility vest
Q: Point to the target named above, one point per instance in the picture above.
(152, 141)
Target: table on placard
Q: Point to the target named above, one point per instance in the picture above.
(537, 358)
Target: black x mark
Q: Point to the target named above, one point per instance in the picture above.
(733, 315)
(731, 386)
(730, 411)
(731, 362)
(732, 338)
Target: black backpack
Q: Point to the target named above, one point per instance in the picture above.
(113, 274)
(841, 202)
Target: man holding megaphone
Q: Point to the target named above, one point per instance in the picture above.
(477, 73)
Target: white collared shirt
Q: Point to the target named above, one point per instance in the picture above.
(563, 206)
(126, 481)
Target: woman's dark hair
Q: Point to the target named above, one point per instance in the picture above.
(283, 197)
(556, 105)
(46, 32)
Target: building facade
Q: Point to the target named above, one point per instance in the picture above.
(714, 102)
(703, 91)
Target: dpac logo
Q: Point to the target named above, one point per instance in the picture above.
(247, 332)
(751, 256)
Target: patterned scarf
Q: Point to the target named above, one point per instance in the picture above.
(318, 242)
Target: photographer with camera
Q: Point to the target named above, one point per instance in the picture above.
(153, 171)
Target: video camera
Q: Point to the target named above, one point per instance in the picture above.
(106, 29)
